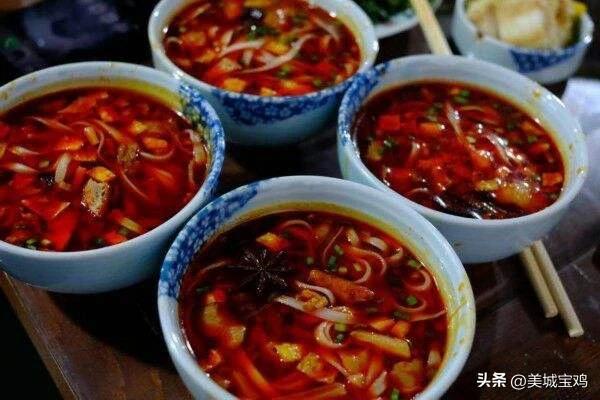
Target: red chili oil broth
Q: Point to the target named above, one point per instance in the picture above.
(127, 165)
(500, 163)
(240, 45)
(213, 305)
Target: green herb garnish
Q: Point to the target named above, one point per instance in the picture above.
(332, 263)
(338, 250)
(395, 394)
(414, 263)
(411, 300)
(202, 289)
(389, 144)
(284, 71)
(310, 260)
(398, 315)
(532, 139)
(339, 338)
(340, 327)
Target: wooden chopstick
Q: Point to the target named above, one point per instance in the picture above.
(565, 307)
(431, 28)
(540, 268)
(539, 284)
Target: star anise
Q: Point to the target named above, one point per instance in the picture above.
(264, 270)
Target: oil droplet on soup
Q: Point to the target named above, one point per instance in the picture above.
(263, 47)
(303, 305)
(88, 168)
(459, 150)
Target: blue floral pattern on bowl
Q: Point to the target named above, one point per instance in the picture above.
(196, 232)
(531, 60)
(360, 88)
(255, 110)
(204, 119)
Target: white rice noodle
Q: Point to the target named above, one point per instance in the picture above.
(336, 314)
(226, 38)
(198, 11)
(368, 271)
(425, 317)
(161, 157)
(421, 287)
(362, 253)
(379, 385)
(331, 29)
(23, 151)
(323, 335)
(327, 248)
(253, 44)
(62, 164)
(394, 259)
(412, 310)
(378, 244)
(282, 59)
(297, 222)
(324, 291)
(19, 168)
(52, 124)
(247, 56)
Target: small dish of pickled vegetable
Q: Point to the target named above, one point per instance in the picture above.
(490, 157)
(274, 69)
(312, 299)
(99, 164)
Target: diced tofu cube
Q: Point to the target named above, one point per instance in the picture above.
(276, 47)
(95, 197)
(127, 154)
(407, 375)
(273, 242)
(312, 300)
(286, 352)
(101, 174)
(234, 84)
(152, 143)
(387, 344)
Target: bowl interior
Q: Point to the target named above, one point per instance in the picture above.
(334, 195)
(508, 85)
(157, 85)
(347, 11)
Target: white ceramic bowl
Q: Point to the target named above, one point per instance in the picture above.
(123, 264)
(269, 121)
(544, 66)
(317, 193)
(474, 240)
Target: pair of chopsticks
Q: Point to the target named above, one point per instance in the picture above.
(540, 268)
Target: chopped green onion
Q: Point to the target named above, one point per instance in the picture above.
(411, 300)
(414, 263)
(338, 250)
(339, 338)
(395, 394)
(471, 139)
(461, 100)
(389, 143)
(331, 263)
(123, 231)
(284, 71)
(464, 93)
(317, 82)
(511, 125)
(310, 260)
(532, 138)
(99, 242)
(340, 327)
(398, 314)
(202, 289)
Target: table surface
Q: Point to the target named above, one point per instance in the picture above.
(109, 346)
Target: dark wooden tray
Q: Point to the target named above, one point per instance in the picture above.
(110, 346)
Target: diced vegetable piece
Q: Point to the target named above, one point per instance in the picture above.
(234, 84)
(375, 150)
(487, 185)
(265, 91)
(69, 143)
(400, 329)
(312, 300)
(112, 238)
(95, 197)
(290, 87)
(102, 174)
(233, 9)
(85, 155)
(347, 291)
(136, 127)
(219, 325)
(273, 242)
(517, 193)
(2, 149)
(225, 66)
(60, 229)
(127, 154)
(312, 366)
(551, 178)
(286, 352)
(355, 361)
(152, 143)
(193, 38)
(213, 359)
(430, 129)
(382, 324)
(407, 375)
(388, 344)
(276, 47)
